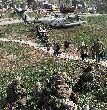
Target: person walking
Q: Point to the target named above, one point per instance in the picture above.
(66, 45)
(98, 49)
(56, 48)
(92, 49)
(83, 50)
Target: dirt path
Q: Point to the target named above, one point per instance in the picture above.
(11, 21)
(62, 55)
(37, 46)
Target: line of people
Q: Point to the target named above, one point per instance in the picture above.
(96, 51)
(42, 35)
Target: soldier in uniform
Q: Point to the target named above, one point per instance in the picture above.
(44, 38)
(12, 94)
(42, 35)
(98, 49)
(37, 31)
(66, 45)
(56, 48)
(93, 51)
(16, 94)
(38, 94)
(48, 45)
(85, 78)
(83, 50)
(37, 89)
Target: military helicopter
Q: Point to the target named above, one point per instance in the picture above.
(62, 20)
(68, 21)
(50, 18)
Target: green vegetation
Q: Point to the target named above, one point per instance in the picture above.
(18, 60)
(5, 15)
(33, 65)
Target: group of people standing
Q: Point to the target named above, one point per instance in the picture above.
(96, 51)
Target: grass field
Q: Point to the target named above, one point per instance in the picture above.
(33, 65)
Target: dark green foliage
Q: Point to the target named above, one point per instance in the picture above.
(94, 92)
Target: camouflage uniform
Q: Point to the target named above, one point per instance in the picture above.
(57, 95)
(16, 94)
(93, 51)
(12, 93)
(83, 50)
(37, 31)
(85, 79)
(38, 94)
(48, 45)
(66, 45)
(56, 48)
(98, 49)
